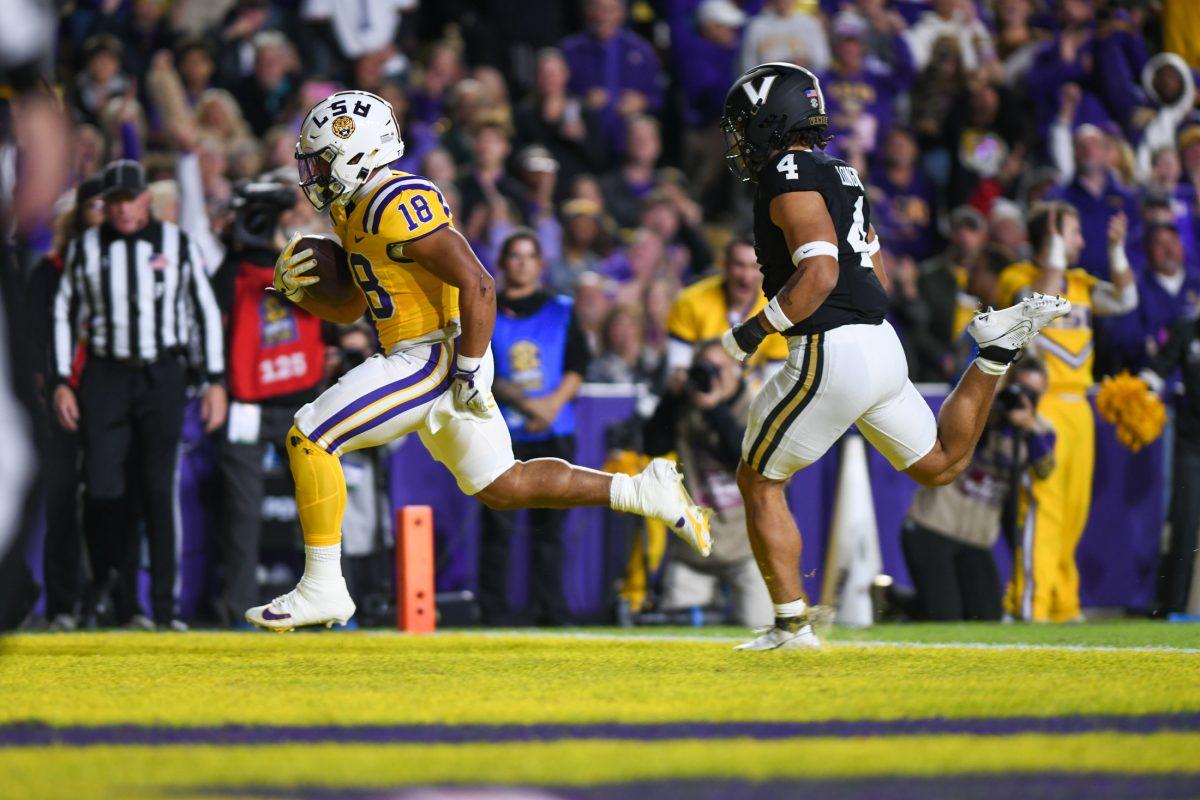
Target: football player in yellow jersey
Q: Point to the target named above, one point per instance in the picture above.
(1045, 583)
(434, 307)
(709, 306)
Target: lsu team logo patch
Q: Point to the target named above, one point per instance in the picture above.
(343, 126)
(278, 322)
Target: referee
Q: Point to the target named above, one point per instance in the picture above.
(135, 292)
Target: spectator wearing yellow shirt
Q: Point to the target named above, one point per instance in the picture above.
(709, 306)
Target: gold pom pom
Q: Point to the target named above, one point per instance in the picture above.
(1126, 401)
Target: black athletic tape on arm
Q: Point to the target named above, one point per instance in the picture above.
(1000, 355)
(749, 334)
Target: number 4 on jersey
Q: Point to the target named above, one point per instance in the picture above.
(856, 236)
(787, 165)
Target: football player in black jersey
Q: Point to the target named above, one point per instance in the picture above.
(823, 273)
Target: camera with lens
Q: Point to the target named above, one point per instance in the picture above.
(702, 375)
(257, 207)
(1011, 396)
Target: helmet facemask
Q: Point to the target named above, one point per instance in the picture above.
(317, 180)
(739, 153)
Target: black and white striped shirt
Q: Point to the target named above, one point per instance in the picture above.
(135, 298)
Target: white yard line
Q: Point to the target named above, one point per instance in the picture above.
(683, 637)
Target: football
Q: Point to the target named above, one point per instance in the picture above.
(336, 286)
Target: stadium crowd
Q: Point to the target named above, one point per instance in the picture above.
(595, 125)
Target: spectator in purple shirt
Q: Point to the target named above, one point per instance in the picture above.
(625, 188)
(902, 200)
(859, 91)
(1104, 66)
(704, 52)
(1165, 198)
(443, 68)
(1097, 196)
(614, 70)
(1166, 293)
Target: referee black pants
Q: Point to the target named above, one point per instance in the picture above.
(131, 423)
(62, 554)
(547, 602)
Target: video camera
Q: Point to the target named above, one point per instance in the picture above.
(257, 206)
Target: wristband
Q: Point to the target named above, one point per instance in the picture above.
(1118, 262)
(774, 314)
(1056, 256)
(468, 364)
(814, 249)
(749, 334)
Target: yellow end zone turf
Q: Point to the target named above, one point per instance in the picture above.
(355, 678)
(173, 771)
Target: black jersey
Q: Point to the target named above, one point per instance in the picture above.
(858, 297)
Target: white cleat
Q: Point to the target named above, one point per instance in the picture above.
(776, 638)
(660, 494)
(1011, 328)
(310, 603)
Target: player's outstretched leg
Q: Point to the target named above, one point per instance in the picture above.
(321, 597)
(1001, 335)
(657, 491)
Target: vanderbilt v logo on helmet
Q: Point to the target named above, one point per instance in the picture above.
(767, 109)
(758, 94)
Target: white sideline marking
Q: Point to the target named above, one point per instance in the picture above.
(683, 637)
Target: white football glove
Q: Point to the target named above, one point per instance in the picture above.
(471, 398)
(290, 267)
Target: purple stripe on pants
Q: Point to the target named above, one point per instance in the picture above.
(367, 399)
(395, 411)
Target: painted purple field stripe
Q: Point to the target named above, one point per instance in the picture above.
(36, 734)
(1003, 786)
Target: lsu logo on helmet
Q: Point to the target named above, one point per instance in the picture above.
(343, 127)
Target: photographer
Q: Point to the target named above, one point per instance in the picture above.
(702, 418)
(276, 363)
(950, 530)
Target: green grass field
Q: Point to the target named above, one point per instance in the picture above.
(1096, 710)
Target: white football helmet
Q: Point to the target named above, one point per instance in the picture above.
(342, 140)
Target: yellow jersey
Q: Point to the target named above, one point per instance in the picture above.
(406, 301)
(1065, 344)
(701, 312)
